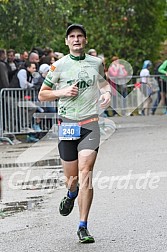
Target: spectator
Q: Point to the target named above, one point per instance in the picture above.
(92, 52)
(23, 58)
(58, 55)
(34, 58)
(4, 79)
(163, 87)
(4, 70)
(4, 83)
(116, 78)
(24, 79)
(49, 60)
(101, 56)
(48, 51)
(39, 51)
(13, 64)
(146, 90)
(158, 79)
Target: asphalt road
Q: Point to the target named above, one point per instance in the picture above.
(128, 213)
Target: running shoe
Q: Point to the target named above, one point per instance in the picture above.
(84, 236)
(66, 205)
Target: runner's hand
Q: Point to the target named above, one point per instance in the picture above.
(71, 90)
(106, 100)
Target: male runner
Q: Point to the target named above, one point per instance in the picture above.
(78, 78)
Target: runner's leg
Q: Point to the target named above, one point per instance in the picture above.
(71, 174)
(86, 162)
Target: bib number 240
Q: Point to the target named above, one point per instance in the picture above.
(69, 131)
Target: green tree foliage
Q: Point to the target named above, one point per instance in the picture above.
(34, 22)
(131, 29)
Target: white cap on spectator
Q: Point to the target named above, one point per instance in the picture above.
(44, 68)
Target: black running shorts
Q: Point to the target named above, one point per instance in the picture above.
(90, 139)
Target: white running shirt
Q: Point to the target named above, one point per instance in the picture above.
(89, 72)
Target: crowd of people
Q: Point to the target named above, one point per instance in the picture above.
(12, 63)
(153, 81)
(19, 70)
(27, 70)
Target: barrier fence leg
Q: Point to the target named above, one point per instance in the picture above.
(6, 139)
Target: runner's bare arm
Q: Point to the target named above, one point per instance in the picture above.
(105, 97)
(48, 94)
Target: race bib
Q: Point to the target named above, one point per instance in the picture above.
(69, 131)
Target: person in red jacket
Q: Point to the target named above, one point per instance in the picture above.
(117, 80)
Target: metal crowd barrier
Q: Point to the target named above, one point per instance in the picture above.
(20, 110)
(128, 94)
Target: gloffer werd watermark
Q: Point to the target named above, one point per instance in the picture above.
(140, 181)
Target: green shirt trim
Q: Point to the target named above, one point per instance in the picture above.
(48, 83)
(77, 58)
